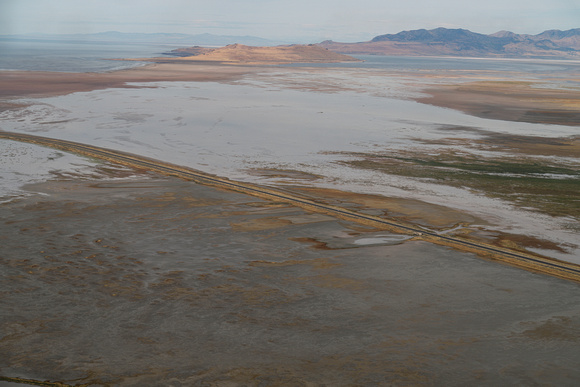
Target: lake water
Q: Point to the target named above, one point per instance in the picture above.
(72, 56)
(442, 63)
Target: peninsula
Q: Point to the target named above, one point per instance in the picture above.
(194, 64)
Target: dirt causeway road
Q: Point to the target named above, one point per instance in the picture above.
(518, 259)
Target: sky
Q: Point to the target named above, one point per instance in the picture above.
(294, 21)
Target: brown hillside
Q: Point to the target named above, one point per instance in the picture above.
(241, 54)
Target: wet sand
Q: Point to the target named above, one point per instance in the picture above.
(156, 281)
(43, 84)
(501, 100)
(509, 101)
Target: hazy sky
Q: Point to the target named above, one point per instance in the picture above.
(289, 20)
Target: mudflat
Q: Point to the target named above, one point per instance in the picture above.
(155, 280)
(41, 84)
(509, 101)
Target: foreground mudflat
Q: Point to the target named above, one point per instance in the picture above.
(157, 280)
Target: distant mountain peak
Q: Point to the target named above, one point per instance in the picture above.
(504, 34)
(462, 42)
(423, 35)
(558, 34)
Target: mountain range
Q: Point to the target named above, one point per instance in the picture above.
(461, 42)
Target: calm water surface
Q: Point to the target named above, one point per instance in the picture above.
(72, 56)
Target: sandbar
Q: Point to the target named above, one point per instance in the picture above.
(17, 84)
(509, 101)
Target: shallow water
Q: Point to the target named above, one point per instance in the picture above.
(438, 64)
(291, 118)
(24, 164)
(72, 56)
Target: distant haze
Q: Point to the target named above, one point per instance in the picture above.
(298, 21)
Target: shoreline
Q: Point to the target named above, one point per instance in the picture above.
(508, 101)
(37, 84)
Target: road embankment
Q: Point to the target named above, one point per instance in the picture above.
(525, 261)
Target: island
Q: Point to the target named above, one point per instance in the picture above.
(242, 54)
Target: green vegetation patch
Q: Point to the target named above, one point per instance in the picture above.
(547, 186)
